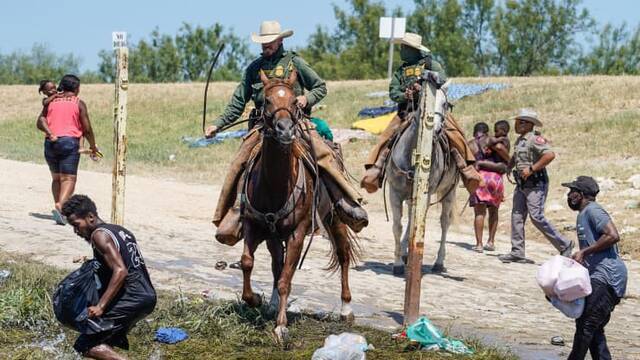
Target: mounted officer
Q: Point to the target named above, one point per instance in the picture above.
(276, 62)
(404, 89)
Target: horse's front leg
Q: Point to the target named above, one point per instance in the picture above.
(246, 262)
(294, 249)
(277, 260)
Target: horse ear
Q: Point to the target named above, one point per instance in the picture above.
(293, 77)
(263, 77)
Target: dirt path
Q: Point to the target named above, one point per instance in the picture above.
(479, 296)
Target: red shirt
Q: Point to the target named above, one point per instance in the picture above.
(63, 117)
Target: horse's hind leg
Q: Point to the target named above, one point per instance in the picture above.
(294, 249)
(246, 263)
(277, 260)
(396, 212)
(445, 221)
(343, 251)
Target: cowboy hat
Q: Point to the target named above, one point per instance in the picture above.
(412, 40)
(270, 31)
(529, 116)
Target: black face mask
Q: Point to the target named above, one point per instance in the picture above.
(574, 205)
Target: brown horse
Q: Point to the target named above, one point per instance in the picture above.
(278, 199)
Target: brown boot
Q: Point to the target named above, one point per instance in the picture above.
(471, 178)
(371, 179)
(353, 215)
(230, 230)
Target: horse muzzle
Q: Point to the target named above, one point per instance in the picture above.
(285, 131)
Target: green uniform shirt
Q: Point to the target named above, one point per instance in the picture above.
(529, 148)
(280, 66)
(408, 74)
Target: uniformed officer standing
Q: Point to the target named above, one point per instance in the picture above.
(275, 62)
(404, 90)
(531, 155)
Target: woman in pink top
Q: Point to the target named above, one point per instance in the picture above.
(64, 119)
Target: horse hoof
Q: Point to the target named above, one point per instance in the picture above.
(349, 318)
(254, 301)
(282, 334)
(398, 270)
(438, 268)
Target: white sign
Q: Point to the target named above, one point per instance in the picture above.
(392, 27)
(119, 39)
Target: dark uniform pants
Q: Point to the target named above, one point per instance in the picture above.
(530, 201)
(590, 326)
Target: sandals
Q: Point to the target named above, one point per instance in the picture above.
(477, 249)
(489, 247)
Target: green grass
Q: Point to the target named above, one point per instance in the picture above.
(217, 330)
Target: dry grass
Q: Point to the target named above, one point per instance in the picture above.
(591, 122)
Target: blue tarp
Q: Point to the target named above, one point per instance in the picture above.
(455, 92)
(203, 142)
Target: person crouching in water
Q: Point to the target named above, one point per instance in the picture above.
(127, 295)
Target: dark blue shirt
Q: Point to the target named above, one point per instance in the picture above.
(605, 265)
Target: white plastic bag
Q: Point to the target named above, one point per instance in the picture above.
(547, 274)
(573, 281)
(571, 309)
(346, 346)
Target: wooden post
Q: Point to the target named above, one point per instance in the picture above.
(419, 203)
(119, 135)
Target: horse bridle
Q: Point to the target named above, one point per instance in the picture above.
(268, 116)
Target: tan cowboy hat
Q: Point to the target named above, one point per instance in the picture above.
(529, 116)
(270, 31)
(413, 40)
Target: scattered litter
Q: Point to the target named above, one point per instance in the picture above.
(376, 94)
(425, 333)
(172, 157)
(235, 265)
(342, 136)
(557, 341)
(632, 204)
(346, 346)
(635, 181)
(605, 184)
(4, 275)
(79, 259)
(221, 265)
(171, 335)
(207, 294)
(569, 228)
(554, 207)
(628, 230)
(204, 142)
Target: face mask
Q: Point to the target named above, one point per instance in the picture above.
(409, 54)
(575, 203)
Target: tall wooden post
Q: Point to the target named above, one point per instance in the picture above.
(119, 135)
(419, 203)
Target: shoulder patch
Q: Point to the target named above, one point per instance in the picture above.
(540, 140)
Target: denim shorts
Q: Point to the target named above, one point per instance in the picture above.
(62, 155)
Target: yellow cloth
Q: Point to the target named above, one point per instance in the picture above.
(374, 125)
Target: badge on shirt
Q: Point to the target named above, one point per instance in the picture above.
(279, 71)
(540, 140)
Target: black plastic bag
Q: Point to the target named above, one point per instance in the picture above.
(74, 295)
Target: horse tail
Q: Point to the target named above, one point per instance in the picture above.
(354, 250)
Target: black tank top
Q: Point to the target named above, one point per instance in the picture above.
(127, 246)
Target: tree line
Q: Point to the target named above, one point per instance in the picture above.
(470, 37)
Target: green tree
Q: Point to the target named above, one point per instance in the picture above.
(617, 52)
(38, 64)
(477, 16)
(537, 36)
(440, 23)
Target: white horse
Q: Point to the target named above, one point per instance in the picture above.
(443, 180)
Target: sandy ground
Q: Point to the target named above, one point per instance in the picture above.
(478, 296)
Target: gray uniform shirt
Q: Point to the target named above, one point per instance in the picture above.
(529, 148)
(606, 265)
